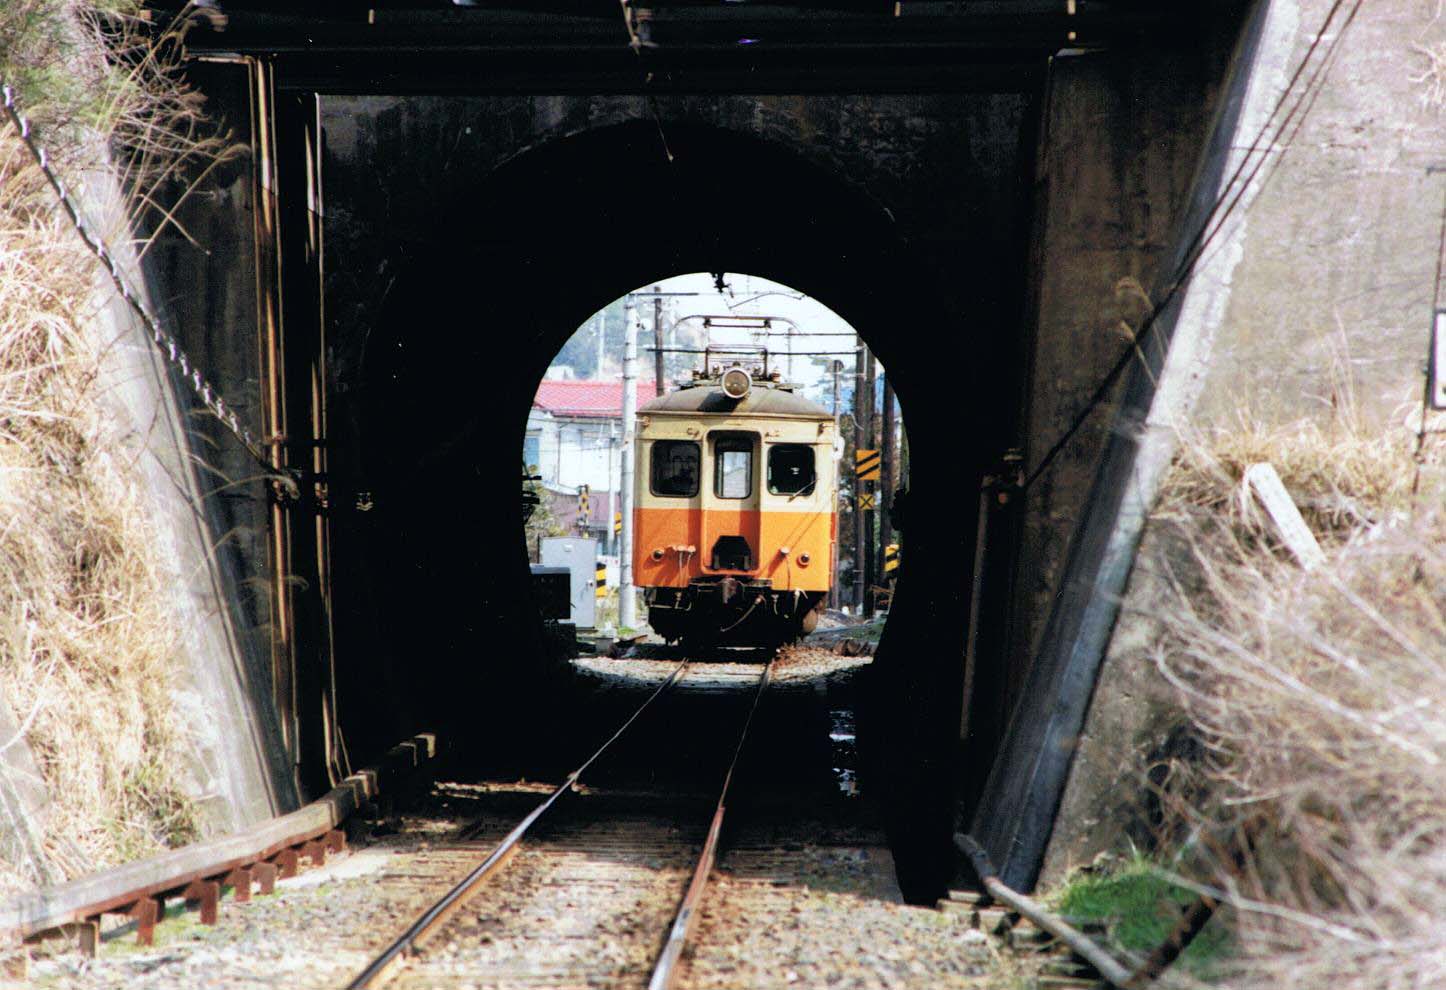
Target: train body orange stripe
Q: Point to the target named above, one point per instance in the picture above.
(767, 532)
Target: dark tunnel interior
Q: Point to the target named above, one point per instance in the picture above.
(429, 582)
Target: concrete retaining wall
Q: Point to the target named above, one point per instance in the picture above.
(1318, 293)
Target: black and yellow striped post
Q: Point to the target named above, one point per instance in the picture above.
(891, 561)
(601, 581)
(866, 465)
(584, 494)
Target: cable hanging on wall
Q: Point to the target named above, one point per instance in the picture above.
(164, 342)
(1234, 190)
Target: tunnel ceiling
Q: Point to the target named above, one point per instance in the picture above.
(560, 46)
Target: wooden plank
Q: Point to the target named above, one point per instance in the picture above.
(1104, 963)
(117, 889)
(1265, 484)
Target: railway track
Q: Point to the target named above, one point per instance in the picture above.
(586, 902)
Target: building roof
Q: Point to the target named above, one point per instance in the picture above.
(602, 400)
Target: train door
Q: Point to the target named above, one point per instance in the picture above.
(731, 503)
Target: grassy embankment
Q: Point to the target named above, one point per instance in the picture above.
(87, 622)
(1317, 698)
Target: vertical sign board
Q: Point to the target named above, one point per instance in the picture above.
(1265, 483)
(1436, 383)
(580, 558)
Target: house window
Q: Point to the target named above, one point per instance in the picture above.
(532, 450)
(790, 469)
(733, 467)
(675, 468)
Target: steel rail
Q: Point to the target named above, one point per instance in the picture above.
(663, 970)
(436, 915)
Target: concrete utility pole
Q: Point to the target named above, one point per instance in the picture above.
(836, 366)
(861, 442)
(658, 372)
(627, 607)
(602, 334)
(609, 541)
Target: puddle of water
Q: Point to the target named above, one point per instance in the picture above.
(845, 755)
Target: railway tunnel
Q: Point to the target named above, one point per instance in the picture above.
(437, 410)
(421, 232)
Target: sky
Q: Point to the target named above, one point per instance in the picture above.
(752, 296)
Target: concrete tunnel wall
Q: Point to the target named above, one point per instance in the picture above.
(544, 273)
(1311, 298)
(948, 239)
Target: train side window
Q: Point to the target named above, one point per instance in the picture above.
(733, 467)
(790, 469)
(675, 468)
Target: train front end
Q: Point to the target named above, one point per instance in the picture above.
(735, 524)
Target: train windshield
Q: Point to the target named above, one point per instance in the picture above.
(733, 467)
(675, 468)
(790, 469)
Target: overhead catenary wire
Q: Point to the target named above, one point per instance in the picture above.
(1233, 193)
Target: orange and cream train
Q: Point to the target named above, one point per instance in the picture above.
(735, 524)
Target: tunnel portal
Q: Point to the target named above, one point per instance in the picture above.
(926, 186)
(470, 322)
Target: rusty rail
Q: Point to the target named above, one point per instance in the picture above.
(258, 855)
(662, 978)
(435, 916)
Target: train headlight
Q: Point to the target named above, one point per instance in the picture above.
(736, 382)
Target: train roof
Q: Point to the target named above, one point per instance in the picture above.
(761, 400)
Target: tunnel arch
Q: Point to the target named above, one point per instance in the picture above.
(491, 292)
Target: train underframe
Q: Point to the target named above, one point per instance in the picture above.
(733, 611)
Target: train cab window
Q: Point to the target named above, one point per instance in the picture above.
(790, 469)
(675, 468)
(733, 467)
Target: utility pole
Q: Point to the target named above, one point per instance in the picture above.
(871, 442)
(602, 336)
(627, 607)
(888, 477)
(861, 442)
(836, 366)
(658, 372)
(609, 541)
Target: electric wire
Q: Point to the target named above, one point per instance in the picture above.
(1234, 191)
(168, 346)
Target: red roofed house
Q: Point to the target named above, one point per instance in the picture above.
(574, 436)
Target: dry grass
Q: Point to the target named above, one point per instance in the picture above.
(1318, 697)
(87, 634)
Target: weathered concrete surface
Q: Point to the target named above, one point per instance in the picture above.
(1319, 293)
(1121, 143)
(231, 777)
(1334, 289)
(24, 803)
